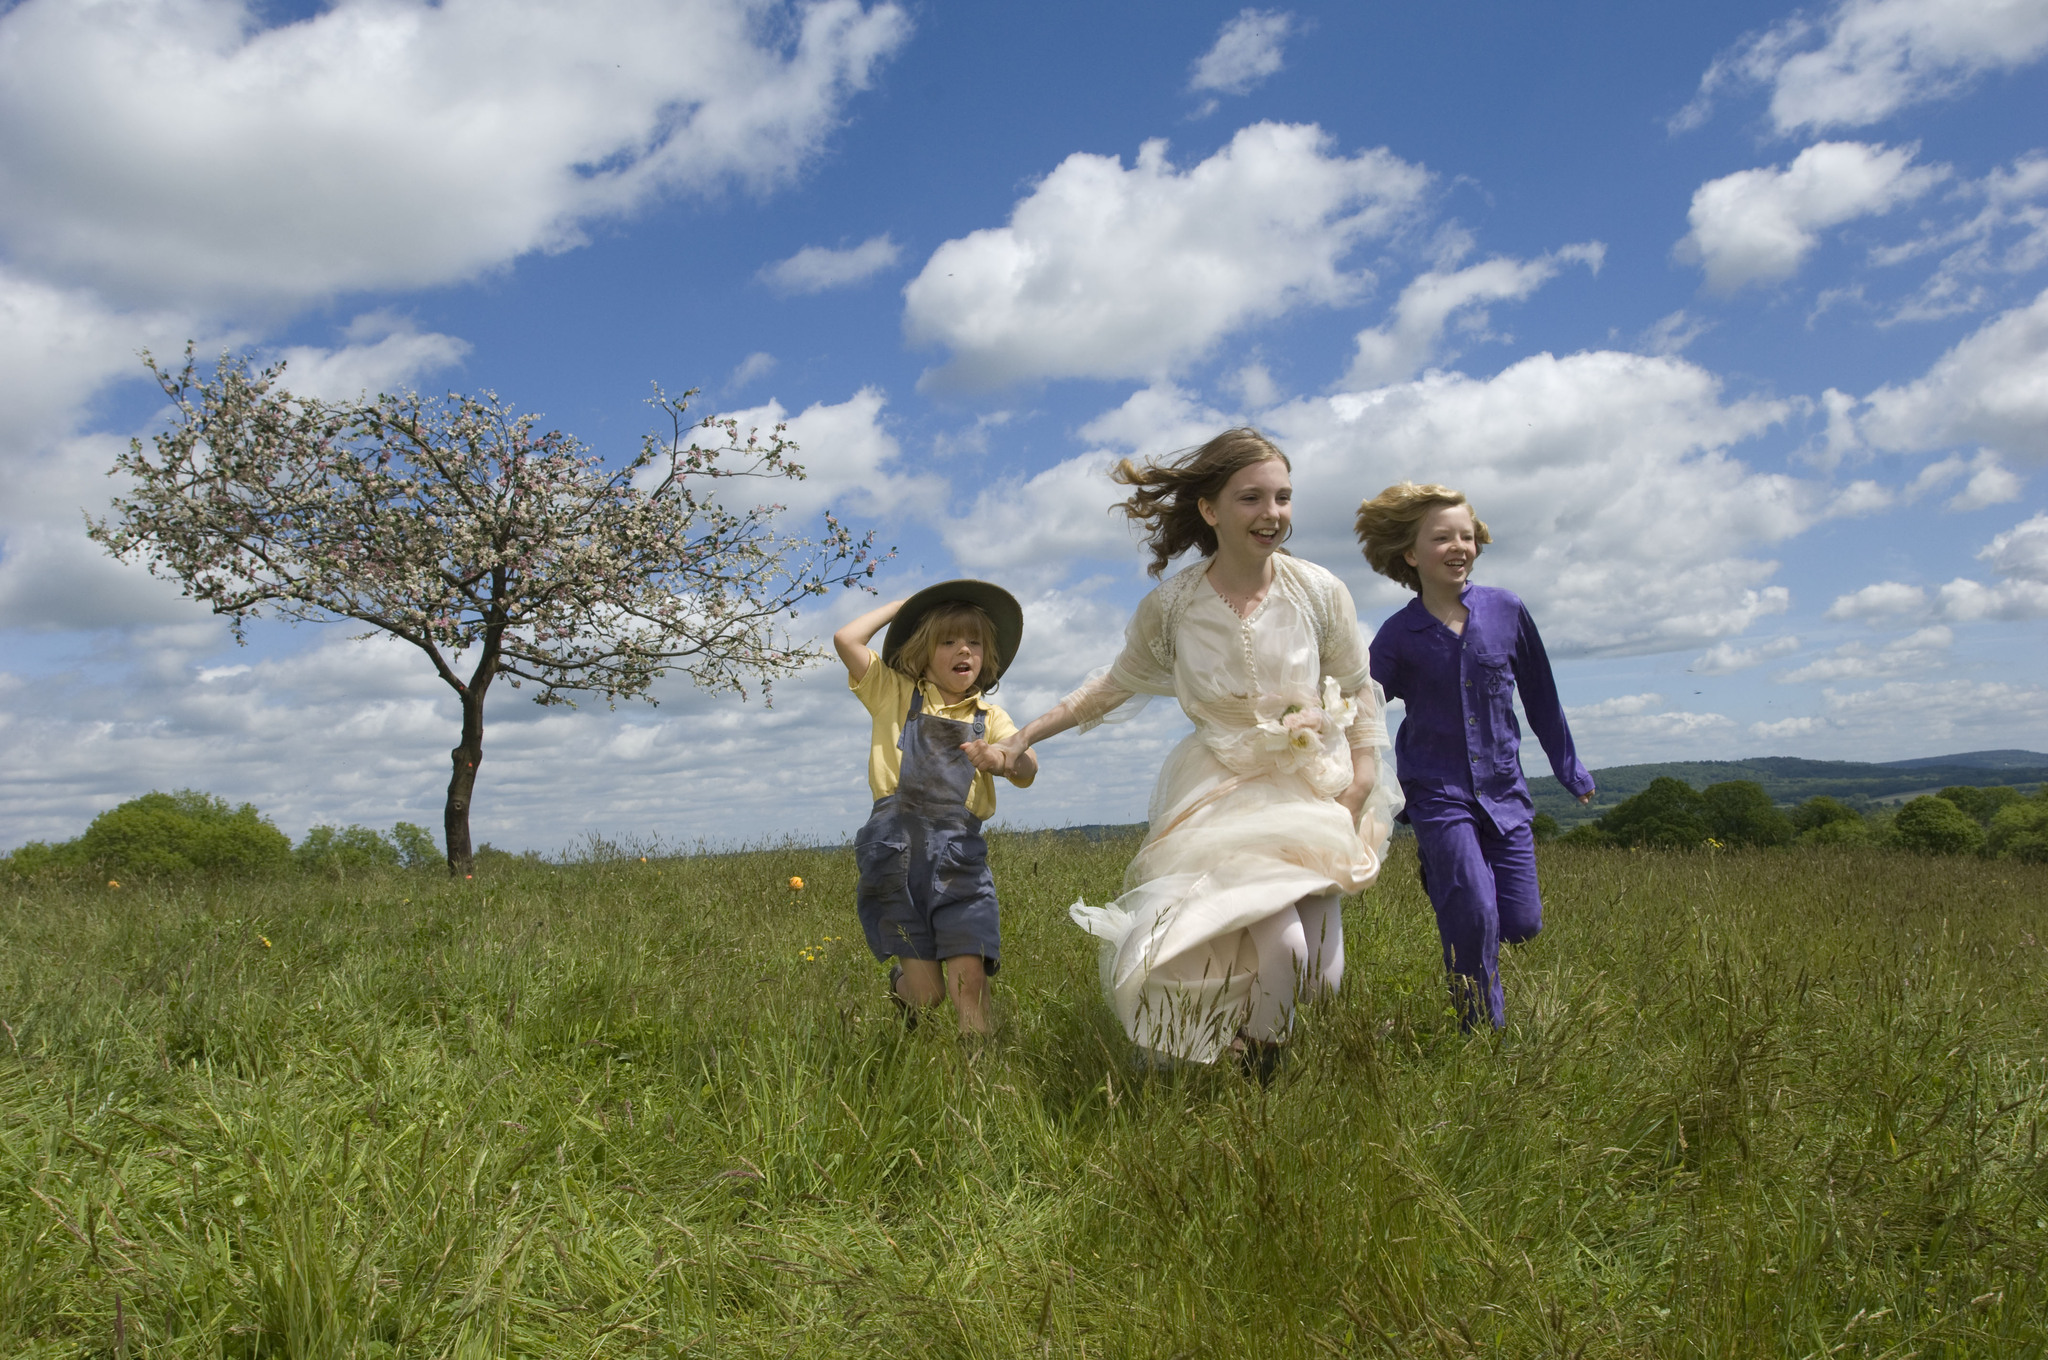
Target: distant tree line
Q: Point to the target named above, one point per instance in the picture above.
(187, 832)
(1999, 822)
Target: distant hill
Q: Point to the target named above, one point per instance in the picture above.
(1789, 779)
(1983, 760)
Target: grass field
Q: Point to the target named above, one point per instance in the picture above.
(1768, 1104)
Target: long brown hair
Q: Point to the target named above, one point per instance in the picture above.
(1389, 522)
(1169, 494)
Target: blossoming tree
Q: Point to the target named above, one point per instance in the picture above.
(496, 550)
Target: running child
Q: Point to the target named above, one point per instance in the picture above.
(926, 899)
(1456, 654)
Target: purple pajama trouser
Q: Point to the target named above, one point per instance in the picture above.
(1482, 883)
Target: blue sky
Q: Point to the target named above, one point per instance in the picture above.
(1733, 321)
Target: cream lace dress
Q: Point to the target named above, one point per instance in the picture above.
(1244, 818)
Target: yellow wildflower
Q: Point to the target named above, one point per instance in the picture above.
(112, 883)
(796, 884)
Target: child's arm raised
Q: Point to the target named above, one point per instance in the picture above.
(851, 642)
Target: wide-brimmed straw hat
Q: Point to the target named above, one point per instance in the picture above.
(999, 604)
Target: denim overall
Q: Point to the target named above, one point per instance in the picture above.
(925, 889)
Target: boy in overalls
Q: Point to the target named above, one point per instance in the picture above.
(926, 898)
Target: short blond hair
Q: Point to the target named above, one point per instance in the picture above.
(1389, 522)
(953, 618)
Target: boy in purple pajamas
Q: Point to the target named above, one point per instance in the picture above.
(1455, 655)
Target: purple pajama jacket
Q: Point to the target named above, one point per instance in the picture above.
(1458, 754)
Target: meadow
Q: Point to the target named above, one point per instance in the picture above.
(1770, 1103)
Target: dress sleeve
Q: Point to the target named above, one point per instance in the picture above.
(1136, 674)
(1099, 699)
(1346, 660)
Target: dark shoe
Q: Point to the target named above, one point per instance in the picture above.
(1259, 1059)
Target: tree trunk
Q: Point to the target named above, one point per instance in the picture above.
(462, 783)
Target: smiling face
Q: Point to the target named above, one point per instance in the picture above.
(1252, 513)
(1446, 546)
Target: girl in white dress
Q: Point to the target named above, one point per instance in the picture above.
(1281, 800)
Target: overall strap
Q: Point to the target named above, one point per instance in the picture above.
(980, 723)
(916, 707)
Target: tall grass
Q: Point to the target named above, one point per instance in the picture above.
(1749, 1104)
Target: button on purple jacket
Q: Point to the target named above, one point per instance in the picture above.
(1460, 736)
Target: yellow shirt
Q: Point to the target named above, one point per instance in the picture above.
(885, 692)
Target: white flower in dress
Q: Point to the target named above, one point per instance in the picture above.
(1294, 728)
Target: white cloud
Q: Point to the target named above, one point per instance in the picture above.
(2021, 551)
(1873, 58)
(1670, 334)
(1725, 658)
(1040, 526)
(1916, 653)
(384, 353)
(1991, 388)
(1988, 481)
(58, 346)
(817, 268)
(851, 462)
(1885, 600)
(1616, 507)
(2006, 235)
(973, 439)
(1940, 715)
(755, 366)
(393, 143)
(1634, 727)
(2020, 555)
(2013, 600)
(1245, 53)
(1411, 339)
(1863, 497)
(1990, 484)
(1757, 226)
(51, 575)
(1108, 272)
(1786, 727)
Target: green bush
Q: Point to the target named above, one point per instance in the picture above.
(37, 856)
(1668, 815)
(161, 833)
(1543, 827)
(1981, 804)
(1854, 831)
(1739, 812)
(1821, 811)
(416, 846)
(2020, 831)
(1935, 826)
(347, 849)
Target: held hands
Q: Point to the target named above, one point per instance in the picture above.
(1005, 757)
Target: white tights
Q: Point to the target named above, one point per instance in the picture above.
(1301, 951)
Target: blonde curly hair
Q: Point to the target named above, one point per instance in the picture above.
(1388, 524)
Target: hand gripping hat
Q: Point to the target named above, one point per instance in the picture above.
(999, 604)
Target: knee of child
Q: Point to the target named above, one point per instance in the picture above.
(966, 973)
(1521, 934)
